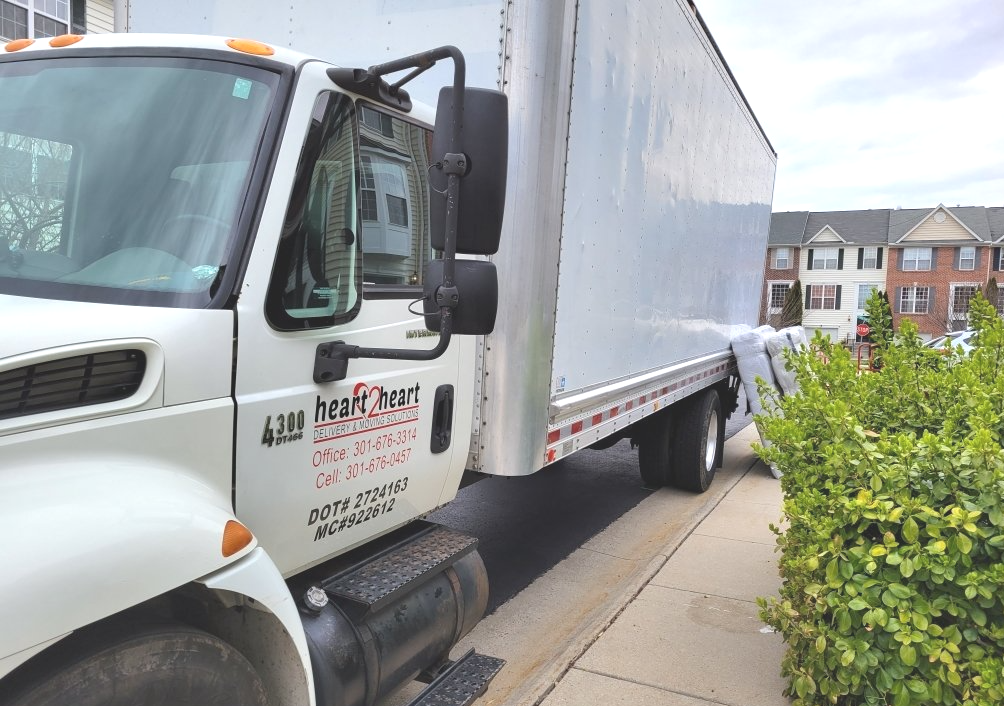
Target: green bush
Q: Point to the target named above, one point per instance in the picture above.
(893, 556)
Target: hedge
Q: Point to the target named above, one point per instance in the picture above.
(892, 561)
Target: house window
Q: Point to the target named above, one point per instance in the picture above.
(782, 258)
(962, 294)
(1000, 301)
(778, 291)
(865, 291)
(914, 300)
(380, 122)
(869, 258)
(367, 195)
(24, 19)
(823, 296)
(825, 259)
(388, 178)
(967, 258)
(916, 259)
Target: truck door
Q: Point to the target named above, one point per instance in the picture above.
(324, 467)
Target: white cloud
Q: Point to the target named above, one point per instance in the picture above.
(873, 104)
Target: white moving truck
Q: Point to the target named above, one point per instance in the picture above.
(239, 362)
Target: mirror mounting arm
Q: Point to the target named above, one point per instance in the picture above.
(331, 360)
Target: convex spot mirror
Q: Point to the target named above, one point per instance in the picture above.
(478, 288)
(485, 141)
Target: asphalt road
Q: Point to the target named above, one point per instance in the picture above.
(527, 525)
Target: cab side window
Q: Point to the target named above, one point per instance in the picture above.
(317, 277)
(394, 201)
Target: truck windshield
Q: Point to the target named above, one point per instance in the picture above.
(122, 179)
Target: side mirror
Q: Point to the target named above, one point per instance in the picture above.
(485, 142)
(478, 285)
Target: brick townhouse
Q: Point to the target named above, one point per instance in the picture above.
(930, 261)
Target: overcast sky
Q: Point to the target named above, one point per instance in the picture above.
(873, 103)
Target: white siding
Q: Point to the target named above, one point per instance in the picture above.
(100, 17)
(843, 319)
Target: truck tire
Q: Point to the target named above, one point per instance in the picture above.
(698, 441)
(160, 665)
(655, 451)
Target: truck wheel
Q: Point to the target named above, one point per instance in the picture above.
(655, 451)
(158, 666)
(698, 441)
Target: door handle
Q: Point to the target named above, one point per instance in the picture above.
(442, 419)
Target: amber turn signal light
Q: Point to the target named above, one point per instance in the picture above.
(235, 537)
(65, 40)
(250, 46)
(18, 44)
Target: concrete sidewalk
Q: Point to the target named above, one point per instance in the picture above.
(691, 636)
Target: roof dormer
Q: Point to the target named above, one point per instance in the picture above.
(825, 235)
(940, 225)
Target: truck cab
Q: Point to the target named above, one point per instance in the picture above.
(183, 227)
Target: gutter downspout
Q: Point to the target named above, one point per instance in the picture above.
(120, 15)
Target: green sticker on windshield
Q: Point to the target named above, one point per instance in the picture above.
(242, 88)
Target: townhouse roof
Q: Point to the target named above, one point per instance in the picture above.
(880, 226)
(869, 227)
(787, 227)
(995, 219)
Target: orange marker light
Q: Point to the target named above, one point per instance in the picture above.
(65, 40)
(235, 537)
(19, 44)
(250, 46)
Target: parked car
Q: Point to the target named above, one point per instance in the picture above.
(950, 341)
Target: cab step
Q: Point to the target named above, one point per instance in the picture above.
(462, 682)
(378, 582)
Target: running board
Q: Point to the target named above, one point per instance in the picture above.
(462, 682)
(376, 583)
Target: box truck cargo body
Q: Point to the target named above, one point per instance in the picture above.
(637, 207)
(269, 314)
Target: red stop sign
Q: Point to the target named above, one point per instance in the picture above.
(863, 330)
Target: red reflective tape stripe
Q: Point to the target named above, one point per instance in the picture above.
(550, 455)
(597, 418)
(576, 427)
(613, 411)
(553, 436)
(628, 405)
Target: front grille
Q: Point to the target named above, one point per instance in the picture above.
(70, 382)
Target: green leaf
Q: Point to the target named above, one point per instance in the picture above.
(820, 644)
(910, 530)
(908, 653)
(900, 591)
(876, 484)
(833, 574)
(847, 658)
(906, 568)
(964, 544)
